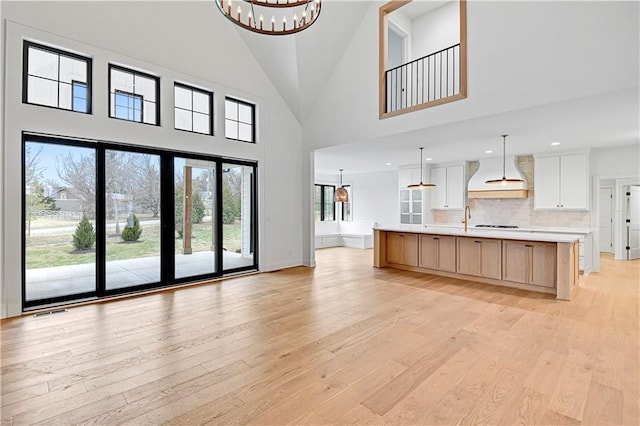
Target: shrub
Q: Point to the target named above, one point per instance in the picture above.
(132, 231)
(198, 209)
(85, 237)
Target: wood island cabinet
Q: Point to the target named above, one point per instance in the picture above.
(543, 266)
(438, 252)
(529, 262)
(402, 249)
(481, 257)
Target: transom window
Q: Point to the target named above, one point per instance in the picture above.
(324, 206)
(56, 78)
(193, 109)
(133, 95)
(239, 120)
(128, 106)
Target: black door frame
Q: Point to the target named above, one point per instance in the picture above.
(167, 218)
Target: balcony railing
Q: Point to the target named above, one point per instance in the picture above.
(427, 79)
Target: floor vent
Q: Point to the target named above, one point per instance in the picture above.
(42, 314)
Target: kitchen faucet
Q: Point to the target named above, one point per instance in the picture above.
(467, 216)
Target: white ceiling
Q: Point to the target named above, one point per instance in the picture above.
(300, 65)
(597, 121)
(418, 8)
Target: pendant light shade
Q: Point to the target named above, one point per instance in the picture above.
(421, 184)
(341, 195)
(504, 180)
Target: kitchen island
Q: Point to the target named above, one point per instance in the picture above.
(542, 262)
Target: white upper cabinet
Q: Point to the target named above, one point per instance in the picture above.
(449, 190)
(561, 182)
(408, 177)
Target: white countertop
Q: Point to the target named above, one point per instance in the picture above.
(525, 228)
(485, 233)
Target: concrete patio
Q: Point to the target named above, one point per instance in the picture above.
(45, 283)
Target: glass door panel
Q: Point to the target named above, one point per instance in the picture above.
(194, 192)
(237, 216)
(132, 219)
(60, 212)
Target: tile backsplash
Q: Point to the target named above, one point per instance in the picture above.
(510, 211)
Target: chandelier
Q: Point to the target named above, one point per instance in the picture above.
(273, 17)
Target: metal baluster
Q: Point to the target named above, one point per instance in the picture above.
(447, 72)
(440, 75)
(422, 88)
(428, 79)
(454, 70)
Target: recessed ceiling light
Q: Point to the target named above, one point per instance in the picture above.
(387, 164)
(555, 143)
(428, 159)
(488, 151)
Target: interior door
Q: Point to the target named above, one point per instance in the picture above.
(633, 222)
(606, 220)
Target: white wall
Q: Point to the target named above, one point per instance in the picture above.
(616, 166)
(113, 32)
(619, 161)
(3, 305)
(375, 197)
(436, 30)
(507, 47)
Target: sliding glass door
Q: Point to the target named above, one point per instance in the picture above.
(194, 195)
(237, 216)
(102, 219)
(132, 218)
(59, 221)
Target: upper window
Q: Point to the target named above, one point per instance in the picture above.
(56, 78)
(193, 109)
(239, 120)
(133, 95)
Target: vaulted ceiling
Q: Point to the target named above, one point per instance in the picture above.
(300, 65)
(308, 65)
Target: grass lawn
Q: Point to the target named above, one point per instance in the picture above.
(55, 248)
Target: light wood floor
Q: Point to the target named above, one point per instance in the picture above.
(340, 343)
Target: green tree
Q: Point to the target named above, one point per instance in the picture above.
(85, 237)
(132, 230)
(36, 200)
(230, 203)
(198, 209)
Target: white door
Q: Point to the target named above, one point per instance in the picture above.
(606, 220)
(633, 222)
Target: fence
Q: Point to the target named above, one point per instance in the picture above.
(58, 214)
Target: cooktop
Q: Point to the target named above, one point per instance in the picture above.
(496, 226)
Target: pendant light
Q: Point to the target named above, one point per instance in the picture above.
(341, 195)
(504, 180)
(421, 184)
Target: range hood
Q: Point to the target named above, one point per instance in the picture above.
(491, 168)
